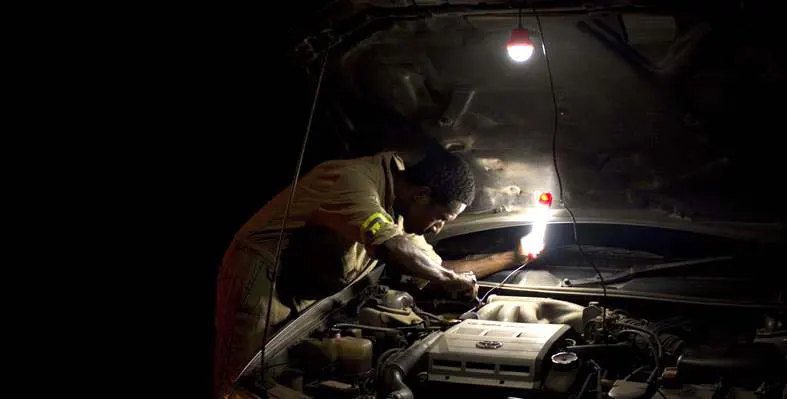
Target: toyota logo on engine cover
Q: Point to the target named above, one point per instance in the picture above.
(488, 344)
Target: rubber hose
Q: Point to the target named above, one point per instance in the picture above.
(395, 372)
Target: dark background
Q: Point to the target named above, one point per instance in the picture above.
(230, 113)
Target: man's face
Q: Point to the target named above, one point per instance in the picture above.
(426, 215)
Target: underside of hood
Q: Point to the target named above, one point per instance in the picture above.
(650, 110)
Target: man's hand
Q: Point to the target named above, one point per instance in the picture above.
(462, 282)
(522, 255)
(400, 251)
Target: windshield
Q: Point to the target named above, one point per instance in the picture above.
(645, 107)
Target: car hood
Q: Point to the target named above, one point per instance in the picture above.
(624, 135)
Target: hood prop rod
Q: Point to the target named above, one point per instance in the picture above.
(274, 273)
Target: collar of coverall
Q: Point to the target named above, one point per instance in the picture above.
(397, 162)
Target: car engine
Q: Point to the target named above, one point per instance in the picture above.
(481, 352)
(386, 345)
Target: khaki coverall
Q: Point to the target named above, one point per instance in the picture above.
(354, 200)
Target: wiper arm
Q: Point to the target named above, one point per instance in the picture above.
(636, 271)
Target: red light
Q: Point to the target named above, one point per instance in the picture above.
(545, 199)
(519, 36)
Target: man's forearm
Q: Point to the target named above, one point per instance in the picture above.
(484, 266)
(400, 251)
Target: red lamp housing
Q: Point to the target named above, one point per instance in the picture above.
(519, 46)
(545, 199)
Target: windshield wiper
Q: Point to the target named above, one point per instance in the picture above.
(636, 271)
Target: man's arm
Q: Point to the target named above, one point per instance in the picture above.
(486, 265)
(489, 264)
(354, 211)
(401, 251)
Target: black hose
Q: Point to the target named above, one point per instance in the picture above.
(418, 328)
(585, 385)
(341, 326)
(599, 376)
(384, 357)
(648, 332)
(420, 312)
(394, 379)
(597, 350)
(655, 348)
(394, 373)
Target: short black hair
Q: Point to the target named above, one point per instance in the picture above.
(448, 176)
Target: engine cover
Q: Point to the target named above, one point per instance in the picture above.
(493, 353)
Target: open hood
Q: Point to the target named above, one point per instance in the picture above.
(641, 100)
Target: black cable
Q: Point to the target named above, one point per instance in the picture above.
(661, 393)
(554, 157)
(655, 348)
(365, 327)
(633, 373)
(585, 385)
(652, 377)
(417, 328)
(519, 17)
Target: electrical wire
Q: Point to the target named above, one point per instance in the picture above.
(554, 157)
(519, 15)
(500, 284)
(633, 373)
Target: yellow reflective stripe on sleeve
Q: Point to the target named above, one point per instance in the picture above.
(373, 223)
(376, 215)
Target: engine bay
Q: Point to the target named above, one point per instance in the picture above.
(386, 343)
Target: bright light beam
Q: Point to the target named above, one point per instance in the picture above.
(520, 52)
(533, 243)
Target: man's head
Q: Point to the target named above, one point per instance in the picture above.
(434, 191)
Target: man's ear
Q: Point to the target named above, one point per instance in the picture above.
(421, 192)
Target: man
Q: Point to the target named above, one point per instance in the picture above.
(347, 215)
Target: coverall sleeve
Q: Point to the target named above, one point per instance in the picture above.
(420, 242)
(354, 210)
